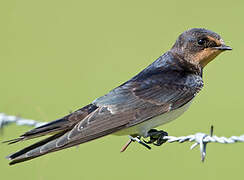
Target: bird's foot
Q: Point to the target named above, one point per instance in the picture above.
(156, 137)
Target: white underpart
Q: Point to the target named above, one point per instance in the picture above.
(143, 128)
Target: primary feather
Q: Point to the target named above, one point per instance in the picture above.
(165, 85)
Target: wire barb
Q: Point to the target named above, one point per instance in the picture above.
(200, 139)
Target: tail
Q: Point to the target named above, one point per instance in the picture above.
(52, 127)
(18, 156)
(58, 128)
(50, 144)
(59, 125)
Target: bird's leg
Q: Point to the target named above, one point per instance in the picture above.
(156, 137)
(134, 139)
(126, 146)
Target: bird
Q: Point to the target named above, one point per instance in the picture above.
(160, 93)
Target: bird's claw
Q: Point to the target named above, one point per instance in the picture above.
(138, 139)
(156, 137)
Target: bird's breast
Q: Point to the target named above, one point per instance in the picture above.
(143, 128)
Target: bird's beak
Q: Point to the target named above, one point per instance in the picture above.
(223, 47)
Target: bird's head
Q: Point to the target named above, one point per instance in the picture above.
(199, 46)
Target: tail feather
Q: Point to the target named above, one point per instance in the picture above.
(82, 126)
(34, 146)
(59, 125)
(50, 145)
(12, 141)
(52, 127)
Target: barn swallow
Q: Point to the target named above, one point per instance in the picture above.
(158, 94)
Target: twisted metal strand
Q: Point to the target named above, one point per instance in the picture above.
(203, 139)
(6, 120)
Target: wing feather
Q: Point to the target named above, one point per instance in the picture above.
(156, 90)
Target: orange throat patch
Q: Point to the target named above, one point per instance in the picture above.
(206, 56)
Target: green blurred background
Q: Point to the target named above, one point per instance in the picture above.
(58, 56)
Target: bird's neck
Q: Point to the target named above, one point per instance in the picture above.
(186, 64)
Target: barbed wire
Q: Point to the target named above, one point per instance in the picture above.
(7, 119)
(200, 139)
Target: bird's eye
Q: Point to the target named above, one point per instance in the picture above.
(201, 41)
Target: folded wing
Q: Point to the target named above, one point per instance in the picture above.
(145, 96)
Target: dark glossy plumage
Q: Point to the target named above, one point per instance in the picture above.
(167, 84)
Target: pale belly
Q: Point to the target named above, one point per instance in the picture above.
(142, 128)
